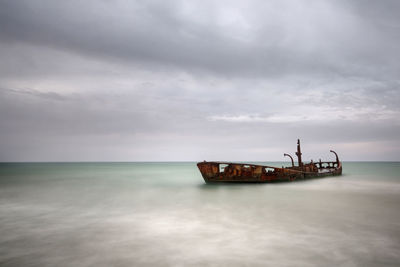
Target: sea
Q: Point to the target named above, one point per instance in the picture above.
(163, 214)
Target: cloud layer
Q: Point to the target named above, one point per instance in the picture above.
(178, 80)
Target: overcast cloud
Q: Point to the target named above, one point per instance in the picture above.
(194, 80)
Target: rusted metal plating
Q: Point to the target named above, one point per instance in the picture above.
(242, 172)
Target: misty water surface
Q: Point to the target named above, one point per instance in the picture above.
(163, 214)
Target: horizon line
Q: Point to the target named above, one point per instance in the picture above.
(177, 161)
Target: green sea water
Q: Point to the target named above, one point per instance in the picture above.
(163, 214)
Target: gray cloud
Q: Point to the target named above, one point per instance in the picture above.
(178, 80)
(271, 38)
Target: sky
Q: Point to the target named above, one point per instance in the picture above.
(178, 80)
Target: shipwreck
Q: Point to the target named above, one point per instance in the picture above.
(214, 172)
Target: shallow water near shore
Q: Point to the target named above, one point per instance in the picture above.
(163, 214)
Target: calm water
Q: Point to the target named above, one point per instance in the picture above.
(162, 214)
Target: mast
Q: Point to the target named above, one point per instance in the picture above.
(298, 153)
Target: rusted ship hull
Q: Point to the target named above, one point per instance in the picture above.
(214, 172)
